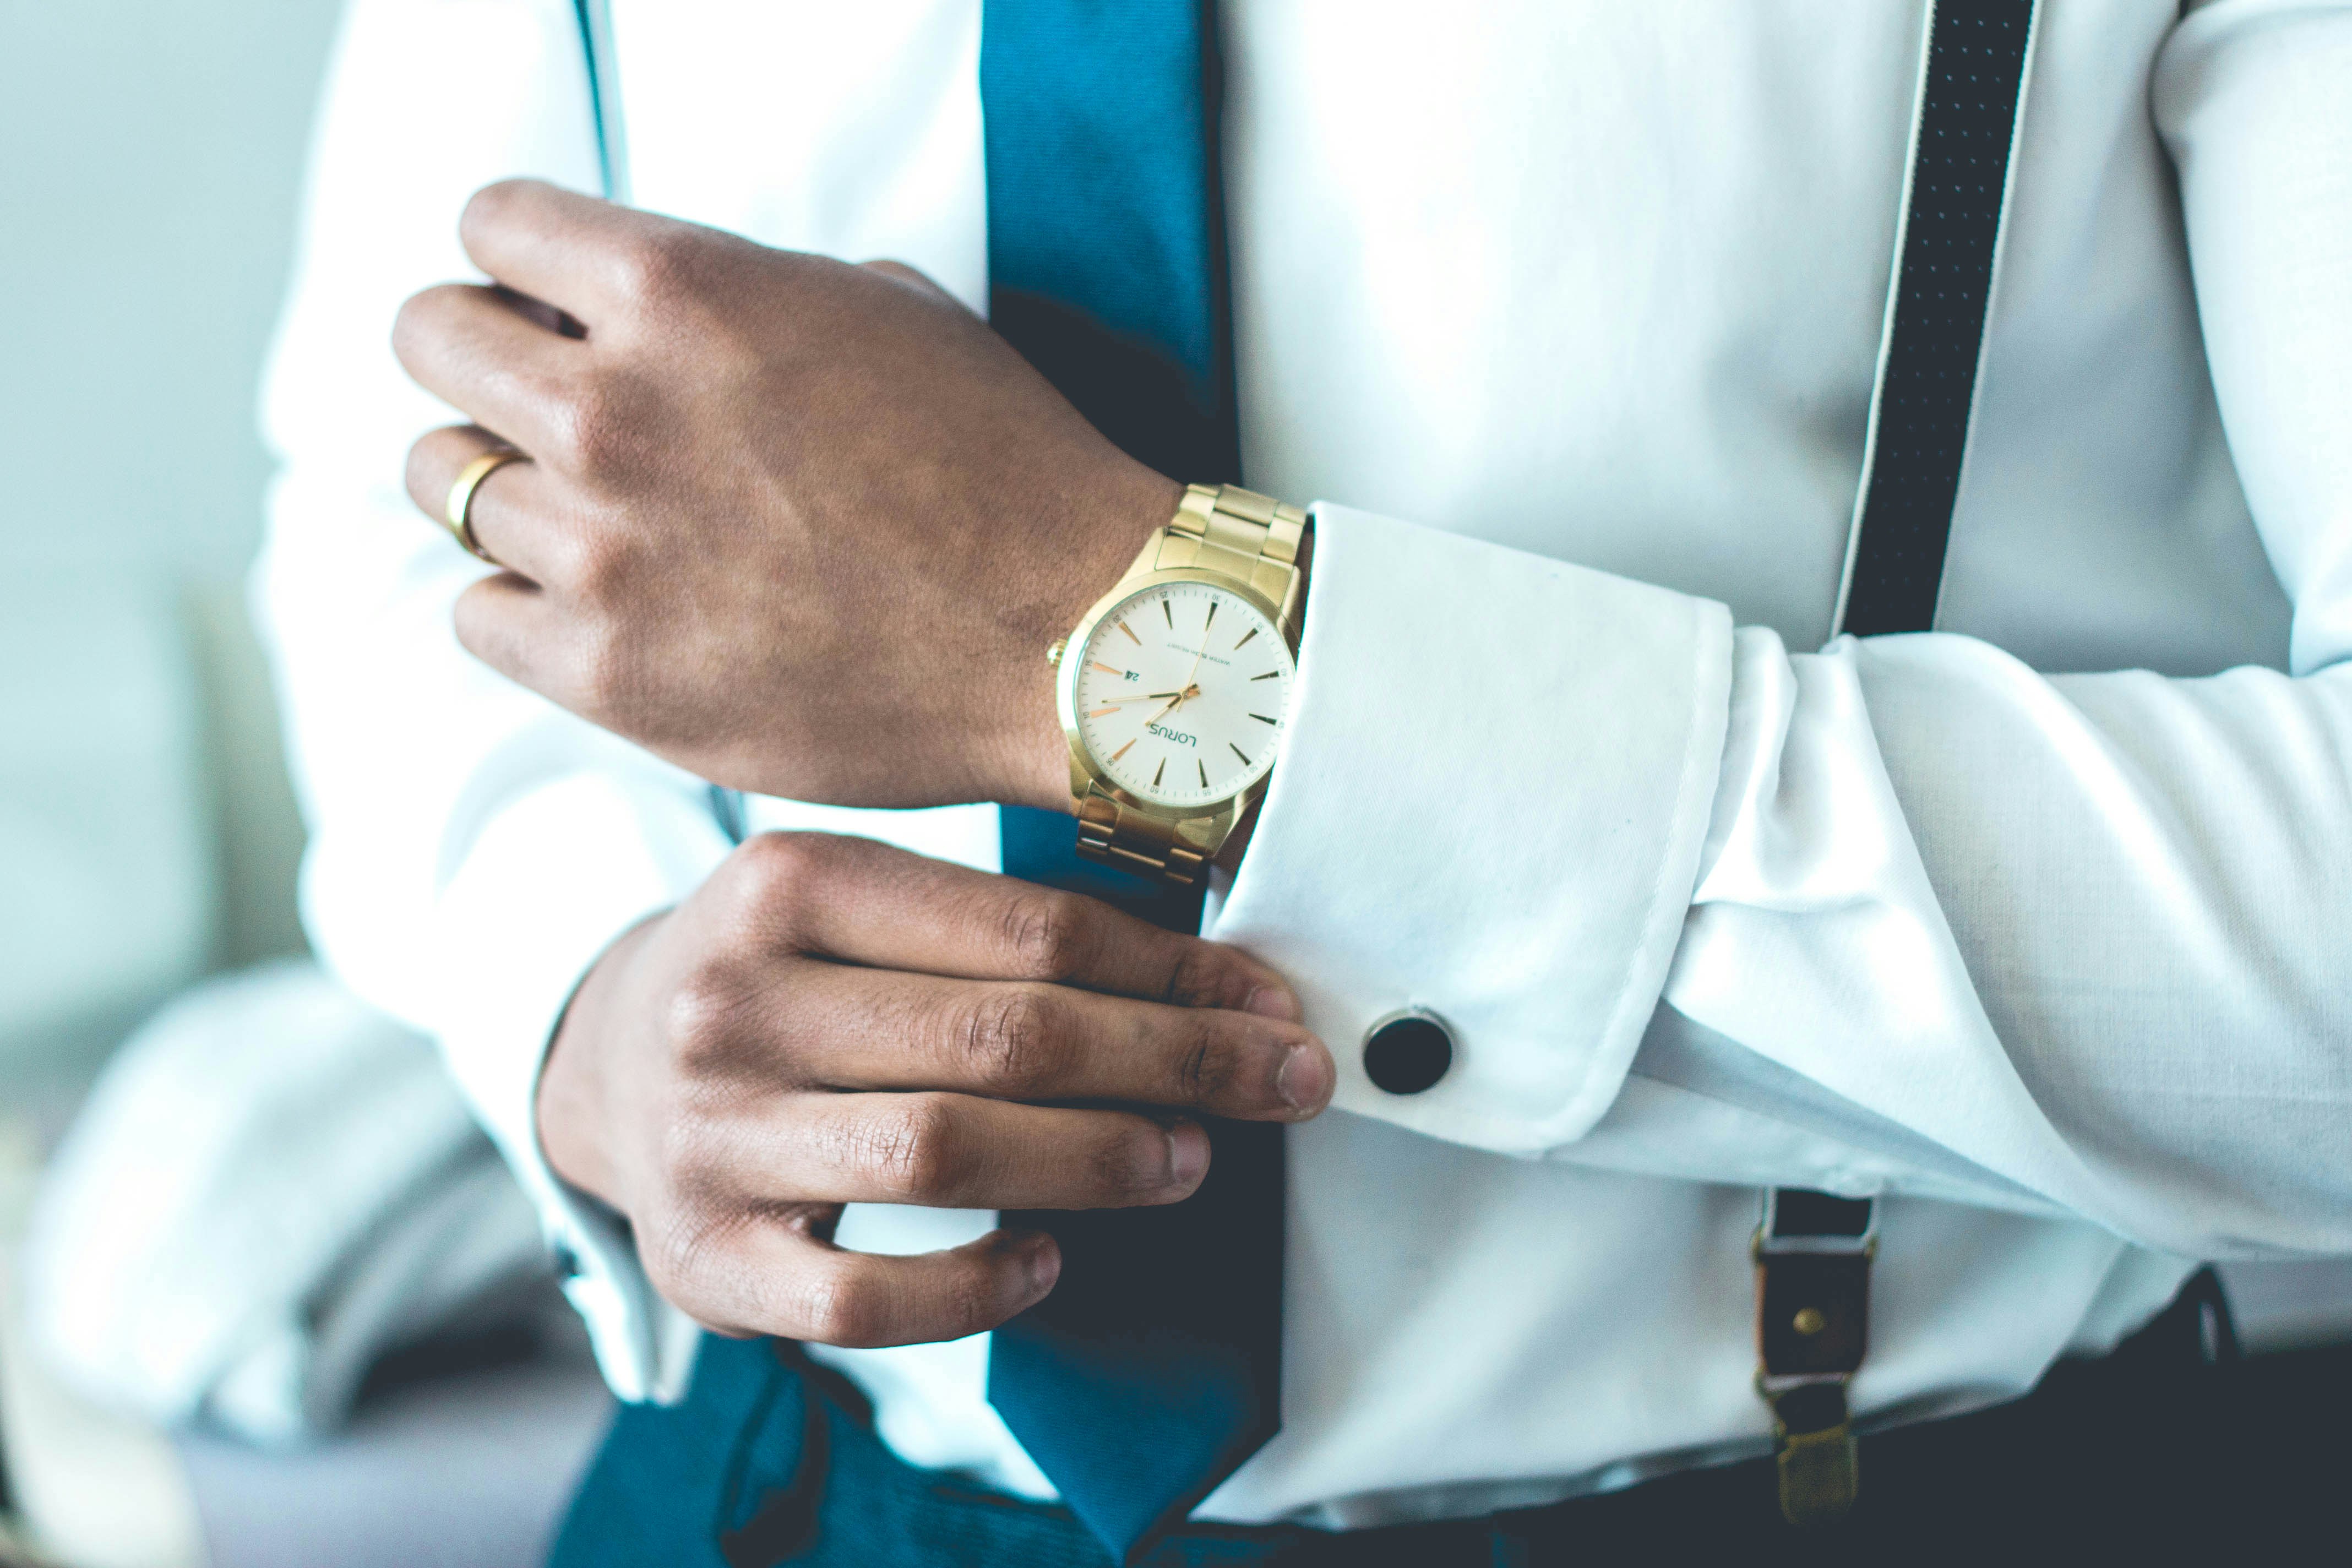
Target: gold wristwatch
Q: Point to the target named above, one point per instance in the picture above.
(1175, 688)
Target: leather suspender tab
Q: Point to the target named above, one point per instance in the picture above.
(1812, 1254)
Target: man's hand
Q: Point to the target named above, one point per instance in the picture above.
(804, 528)
(830, 1020)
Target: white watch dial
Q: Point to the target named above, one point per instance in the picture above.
(1183, 693)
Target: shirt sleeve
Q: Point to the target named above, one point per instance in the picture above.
(473, 847)
(1901, 914)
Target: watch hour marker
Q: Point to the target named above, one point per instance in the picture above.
(1262, 719)
(1130, 634)
(1269, 675)
(1104, 668)
(1239, 752)
(1158, 771)
(1098, 712)
(1209, 617)
(1122, 751)
(1170, 613)
(1246, 636)
(1204, 772)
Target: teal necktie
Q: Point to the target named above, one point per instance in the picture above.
(1153, 1370)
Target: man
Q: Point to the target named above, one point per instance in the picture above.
(1675, 910)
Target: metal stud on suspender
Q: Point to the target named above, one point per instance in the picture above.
(1812, 1256)
(1814, 1251)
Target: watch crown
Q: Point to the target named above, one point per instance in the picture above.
(1053, 654)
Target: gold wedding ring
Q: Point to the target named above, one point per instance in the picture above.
(458, 514)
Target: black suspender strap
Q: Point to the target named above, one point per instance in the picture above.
(1971, 92)
(1814, 1251)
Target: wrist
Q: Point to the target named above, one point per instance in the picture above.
(570, 1109)
(1224, 547)
(1117, 516)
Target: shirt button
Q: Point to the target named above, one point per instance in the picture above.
(1408, 1051)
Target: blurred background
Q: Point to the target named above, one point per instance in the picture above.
(150, 155)
(150, 159)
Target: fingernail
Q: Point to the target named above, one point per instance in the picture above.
(1272, 1002)
(1043, 1261)
(1188, 1153)
(1305, 1081)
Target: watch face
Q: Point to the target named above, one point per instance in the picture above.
(1183, 691)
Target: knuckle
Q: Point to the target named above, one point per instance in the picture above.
(775, 874)
(1197, 977)
(580, 565)
(656, 264)
(784, 861)
(419, 315)
(837, 1307)
(595, 565)
(912, 1152)
(705, 1016)
(853, 1306)
(669, 1266)
(1132, 1160)
(1046, 934)
(603, 673)
(1009, 1037)
(478, 632)
(898, 272)
(684, 1166)
(494, 205)
(589, 424)
(968, 1302)
(1207, 1066)
(681, 1255)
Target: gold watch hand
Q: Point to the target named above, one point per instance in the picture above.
(1192, 675)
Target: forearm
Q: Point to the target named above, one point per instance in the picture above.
(2028, 957)
(2080, 930)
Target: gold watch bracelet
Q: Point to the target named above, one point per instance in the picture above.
(1236, 533)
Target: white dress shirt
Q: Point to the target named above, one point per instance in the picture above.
(2035, 925)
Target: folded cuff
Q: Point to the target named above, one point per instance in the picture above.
(1495, 783)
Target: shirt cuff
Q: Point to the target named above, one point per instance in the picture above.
(1497, 776)
(547, 886)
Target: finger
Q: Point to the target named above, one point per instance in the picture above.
(588, 258)
(781, 1281)
(516, 628)
(954, 1150)
(513, 511)
(543, 313)
(854, 1028)
(869, 903)
(475, 350)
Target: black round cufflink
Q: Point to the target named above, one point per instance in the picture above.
(1408, 1051)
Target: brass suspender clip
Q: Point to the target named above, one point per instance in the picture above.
(1812, 1256)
